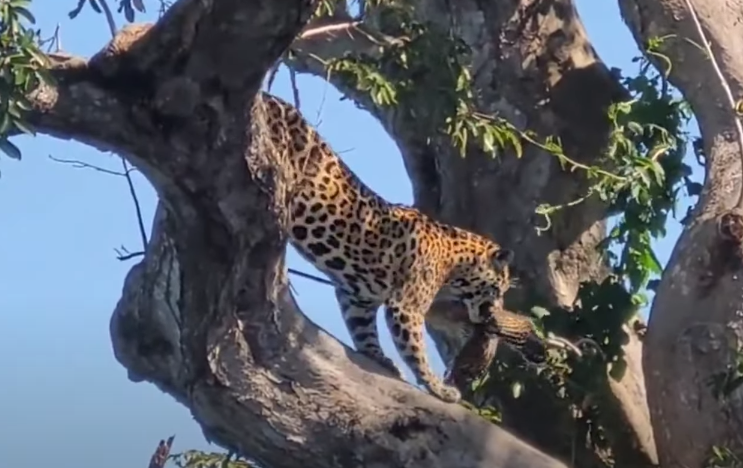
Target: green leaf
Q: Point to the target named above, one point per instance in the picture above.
(4, 123)
(516, 389)
(652, 263)
(21, 125)
(539, 312)
(488, 142)
(645, 177)
(658, 172)
(19, 10)
(516, 143)
(634, 127)
(10, 149)
(693, 188)
(128, 12)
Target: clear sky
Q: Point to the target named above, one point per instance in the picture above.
(64, 396)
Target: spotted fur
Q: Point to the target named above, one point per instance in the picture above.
(381, 254)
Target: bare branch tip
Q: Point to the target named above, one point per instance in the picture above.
(562, 343)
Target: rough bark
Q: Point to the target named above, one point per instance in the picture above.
(207, 315)
(535, 66)
(695, 323)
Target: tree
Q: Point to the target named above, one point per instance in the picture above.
(207, 315)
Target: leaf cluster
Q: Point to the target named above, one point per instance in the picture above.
(201, 459)
(645, 154)
(723, 457)
(649, 144)
(125, 6)
(425, 74)
(22, 69)
(641, 177)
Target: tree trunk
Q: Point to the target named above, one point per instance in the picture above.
(535, 66)
(207, 315)
(695, 323)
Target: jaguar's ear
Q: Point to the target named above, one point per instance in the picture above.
(503, 258)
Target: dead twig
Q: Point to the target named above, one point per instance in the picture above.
(562, 343)
(55, 41)
(310, 277)
(295, 88)
(126, 173)
(123, 254)
(272, 75)
(77, 164)
(135, 199)
(575, 347)
(333, 27)
(161, 454)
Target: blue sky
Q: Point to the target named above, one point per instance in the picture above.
(64, 395)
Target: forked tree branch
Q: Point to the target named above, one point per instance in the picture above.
(207, 315)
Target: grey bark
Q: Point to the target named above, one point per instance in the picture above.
(536, 67)
(207, 316)
(695, 323)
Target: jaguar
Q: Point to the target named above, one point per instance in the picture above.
(377, 253)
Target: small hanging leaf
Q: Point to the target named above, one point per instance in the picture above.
(516, 389)
(25, 13)
(94, 6)
(539, 312)
(73, 14)
(10, 149)
(128, 11)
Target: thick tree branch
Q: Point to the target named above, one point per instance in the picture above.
(695, 323)
(295, 387)
(207, 315)
(722, 80)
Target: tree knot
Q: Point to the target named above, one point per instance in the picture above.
(405, 428)
(730, 227)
